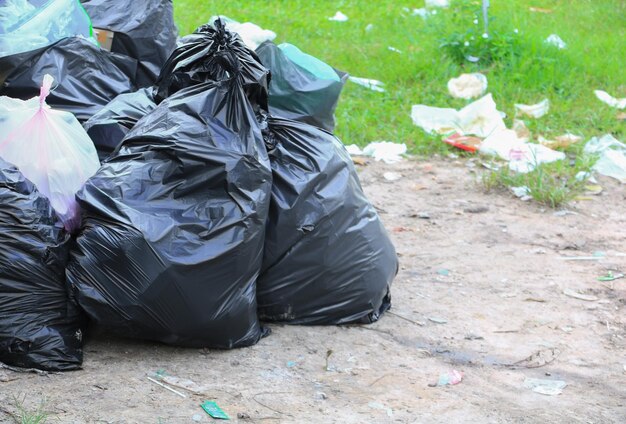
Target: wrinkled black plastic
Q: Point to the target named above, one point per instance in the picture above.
(108, 126)
(39, 326)
(328, 258)
(174, 221)
(207, 55)
(86, 78)
(297, 94)
(143, 29)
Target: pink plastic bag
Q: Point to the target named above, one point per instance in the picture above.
(50, 148)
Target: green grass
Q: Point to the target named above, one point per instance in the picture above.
(524, 69)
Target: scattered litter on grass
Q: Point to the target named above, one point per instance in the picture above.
(450, 378)
(533, 111)
(369, 27)
(540, 10)
(437, 320)
(339, 17)
(545, 387)
(612, 152)
(480, 118)
(372, 84)
(382, 407)
(522, 156)
(214, 410)
(422, 12)
(392, 176)
(556, 41)
(610, 276)
(393, 49)
(521, 130)
(251, 34)
(467, 86)
(437, 3)
(560, 142)
(605, 97)
(464, 142)
(581, 296)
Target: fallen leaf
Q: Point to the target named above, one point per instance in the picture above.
(621, 116)
(581, 296)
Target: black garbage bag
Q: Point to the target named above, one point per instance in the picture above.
(328, 258)
(174, 221)
(108, 126)
(142, 29)
(87, 77)
(308, 95)
(39, 326)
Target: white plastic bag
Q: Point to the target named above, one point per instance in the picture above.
(50, 148)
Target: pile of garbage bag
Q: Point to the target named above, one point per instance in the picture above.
(212, 211)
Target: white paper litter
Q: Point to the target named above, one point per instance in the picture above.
(605, 97)
(545, 387)
(556, 41)
(392, 176)
(523, 192)
(251, 34)
(393, 49)
(522, 156)
(372, 84)
(339, 17)
(480, 118)
(386, 151)
(420, 12)
(533, 111)
(612, 152)
(467, 86)
(437, 3)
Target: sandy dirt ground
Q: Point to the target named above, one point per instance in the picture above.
(481, 290)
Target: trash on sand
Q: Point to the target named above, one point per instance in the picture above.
(50, 148)
(612, 152)
(392, 176)
(372, 84)
(605, 97)
(386, 151)
(464, 142)
(437, 320)
(442, 271)
(610, 276)
(560, 142)
(437, 3)
(251, 34)
(556, 41)
(339, 17)
(522, 156)
(467, 86)
(538, 359)
(480, 118)
(167, 387)
(450, 378)
(214, 410)
(581, 296)
(545, 387)
(382, 407)
(523, 192)
(533, 111)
